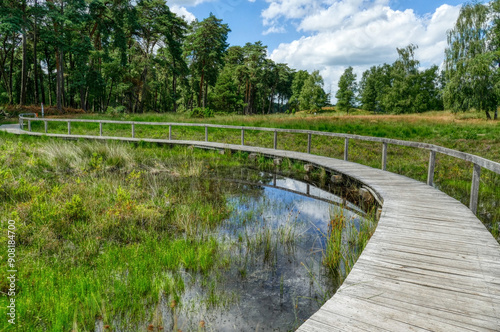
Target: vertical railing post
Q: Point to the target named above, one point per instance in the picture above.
(432, 165)
(242, 136)
(206, 134)
(346, 149)
(69, 127)
(384, 156)
(169, 133)
(133, 130)
(29, 125)
(46, 125)
(309, 143)
(474, 192)
(275, 139)
(100, 128)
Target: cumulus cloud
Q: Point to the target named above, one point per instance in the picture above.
(358, 33)
(183, 12)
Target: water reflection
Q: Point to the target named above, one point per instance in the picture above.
(273, 241)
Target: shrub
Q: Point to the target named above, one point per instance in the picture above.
(200, 112)
(74, 209)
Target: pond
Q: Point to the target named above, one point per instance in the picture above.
(276, 255)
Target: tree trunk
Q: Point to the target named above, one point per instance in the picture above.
(47, 60)
(3, 73)
(59, 82)
(200, 94)
(35, 59)
(496, 114)
(83, 104)
(24, 70)
(11, 95)
(174, 92)
(42, 89)
(271, 100)
(144, 89)
(109, 96)
(488, 115)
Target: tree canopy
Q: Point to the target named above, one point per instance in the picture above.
(134, 55)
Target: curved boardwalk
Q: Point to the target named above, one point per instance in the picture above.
(431, 265)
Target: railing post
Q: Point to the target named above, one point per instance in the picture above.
(100, 128)
(29, 125)
(133, 130)
(169, 133)
(432, 165)
(69, 127)
(206, 134)
(242, 136)
(309, 143)
(346, 149)
(474, 192)
(46, 125)
(384, 156)
(275, 139)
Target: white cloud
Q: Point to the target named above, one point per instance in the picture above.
(288, 9)
(358, 33)
(183, 12)
(274, 29)
(185, 3)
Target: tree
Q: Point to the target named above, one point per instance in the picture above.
(10, 31)
(471, 67)
(254, 58)
(402, 94)
(312, 96)
(346, 95)
(205, 47)
(299, 78)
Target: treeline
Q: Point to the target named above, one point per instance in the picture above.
(398, 88)
(101, 55)
(469, 80)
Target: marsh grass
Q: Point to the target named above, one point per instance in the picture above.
(103, 228)
(345, 239)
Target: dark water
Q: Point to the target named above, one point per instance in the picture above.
(273, 242)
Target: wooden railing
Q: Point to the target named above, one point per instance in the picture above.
(477, 161)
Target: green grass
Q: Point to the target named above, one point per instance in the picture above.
(104, 228)
(466, 132)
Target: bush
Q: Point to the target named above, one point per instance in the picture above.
(200, 112)
(115, 110)
(75, 209)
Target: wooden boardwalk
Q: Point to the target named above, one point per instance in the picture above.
(431, 265)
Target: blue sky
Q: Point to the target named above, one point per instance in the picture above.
(330, 35)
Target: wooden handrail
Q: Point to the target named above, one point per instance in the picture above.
(477, 161)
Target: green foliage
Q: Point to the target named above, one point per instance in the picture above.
(75, 210)
(201, 113)
(311, 97)
(472, 60)
(346, 95)
(205, 48)
(401, 87)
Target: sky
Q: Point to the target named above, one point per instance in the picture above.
(331, 35)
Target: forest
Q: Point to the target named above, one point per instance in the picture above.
(139, 56)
